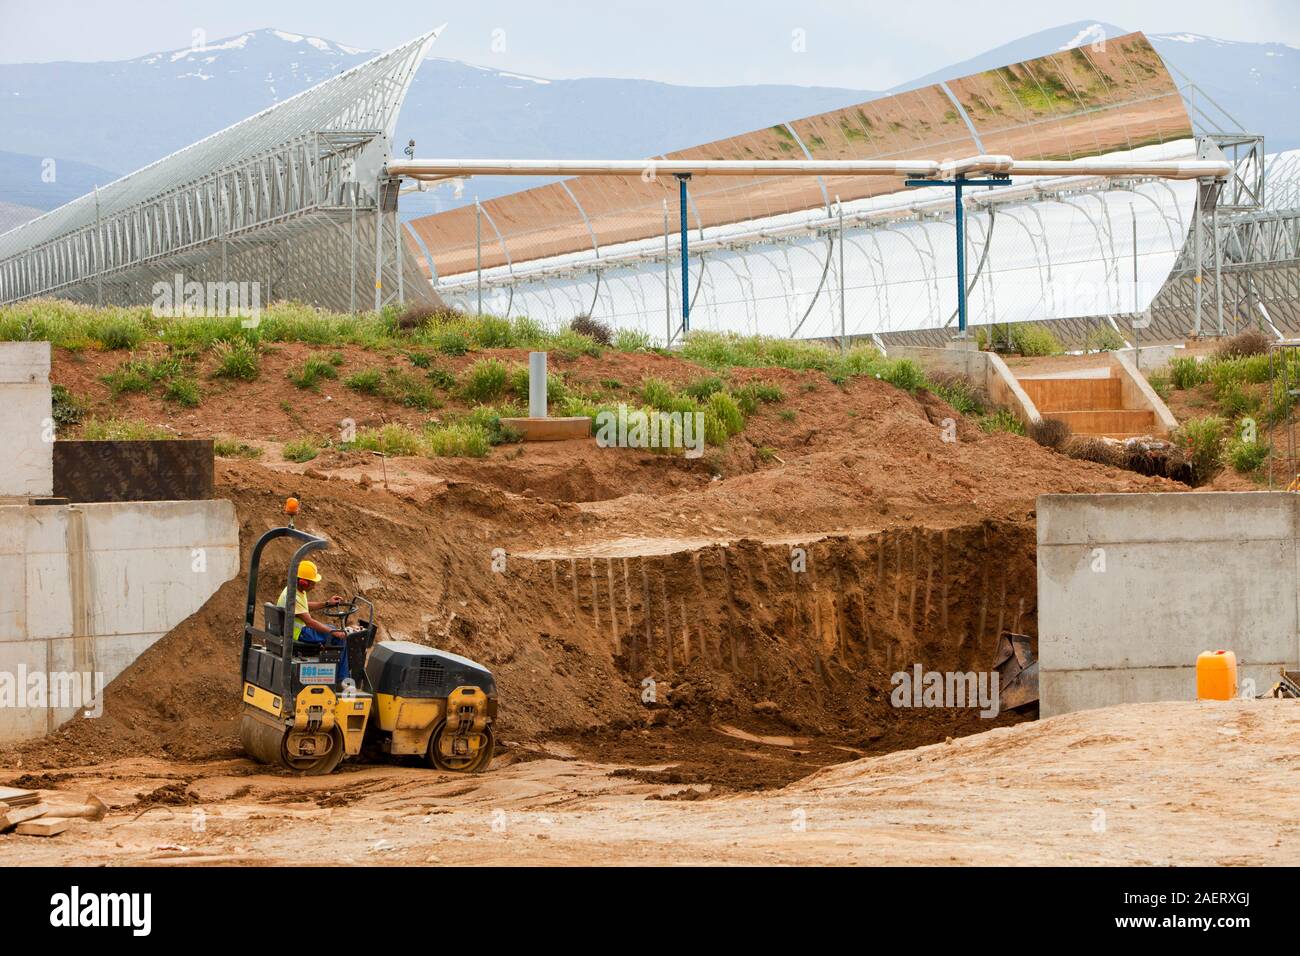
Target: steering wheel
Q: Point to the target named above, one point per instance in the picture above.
(341, 612)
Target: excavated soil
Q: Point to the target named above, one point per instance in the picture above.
(729, 623)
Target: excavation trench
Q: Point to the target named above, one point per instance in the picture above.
(745, 663)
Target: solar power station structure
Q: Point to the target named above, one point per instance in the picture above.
(798, 256)
(1175, 217)
(292, 198)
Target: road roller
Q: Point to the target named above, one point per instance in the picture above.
(406, 699)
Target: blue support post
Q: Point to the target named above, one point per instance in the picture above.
(959, 212)
(959, 216)
(686, 262)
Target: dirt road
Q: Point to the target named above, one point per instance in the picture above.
(1154, 784)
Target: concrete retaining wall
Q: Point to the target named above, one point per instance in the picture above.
(1132, 587)
(87, 588)
(985, 369)
(26, 420)
(1138, 393)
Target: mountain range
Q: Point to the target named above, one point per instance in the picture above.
(100, 120)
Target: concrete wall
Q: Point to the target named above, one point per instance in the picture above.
(26, 467)
(85, 589)
(985, 369)
(1132, 587)
(1138, 393)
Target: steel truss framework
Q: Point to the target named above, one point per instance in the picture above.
(293, 199)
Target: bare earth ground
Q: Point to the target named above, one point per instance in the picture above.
(1151, 784)
(626, 565)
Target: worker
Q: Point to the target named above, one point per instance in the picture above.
(308, 630)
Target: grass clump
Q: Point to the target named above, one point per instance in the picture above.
(300, 450)
(224, 447)
(1024, 338)
(392, 439)
(458, 440)
(1104, 338)
(1050, 433)
(238, 359)
(183, 391)
(957, 390)
(484, 381)
(368, 381)
(1001, 420)
(702, 388)
(1246, 457)
(122, 429)
(312, 372)
(631, 340)
(1186, 372)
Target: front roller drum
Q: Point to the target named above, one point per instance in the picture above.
(475, 762)
(276, 744)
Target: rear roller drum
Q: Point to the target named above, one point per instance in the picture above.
(475, 763)
(270, 744)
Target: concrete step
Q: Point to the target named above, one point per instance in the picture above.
(1115, 422)
(1053, 395)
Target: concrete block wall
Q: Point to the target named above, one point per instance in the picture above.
(1131, 588)
(26, 420)
(87, 588)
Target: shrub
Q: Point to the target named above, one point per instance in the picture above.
(300, 450)
(1036, 340)
(420, 359)
(368, 381)
(724, 409)
(122, 429)
(236, 359)
(1245, 456)
(1050, 433)
(749, 395)
(312, 372)
(484, 381)
(458, 440)
(598, 332)
(489, 419)
(1250, 342)
(224, 447)
(183, 391)
(1187, 372)
(1202, 440)
(418, 316)
(631, 340)
(450, 341)
(67, 409)
(1104, 338)
(658, 393)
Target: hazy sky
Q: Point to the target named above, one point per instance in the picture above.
(851, 43)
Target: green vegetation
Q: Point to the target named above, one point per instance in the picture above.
(238, 359)
(300, 450)
(631, 340)
(183, 391)
(1245, 457)
(1104, 338)
(224, 447)
(122, 429)
(484, 381)
(68, 410)
(367, 381)
(1024, 338)
(312, 372)
(458, 440)
(1202, 441)
(1001, 420)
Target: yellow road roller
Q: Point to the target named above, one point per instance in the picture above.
(405, 700)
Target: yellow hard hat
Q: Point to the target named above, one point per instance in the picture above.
(307, 571)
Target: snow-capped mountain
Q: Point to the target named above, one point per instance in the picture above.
(103, 119)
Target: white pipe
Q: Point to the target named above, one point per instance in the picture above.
(434, 169)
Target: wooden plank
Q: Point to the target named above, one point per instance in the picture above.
(15, 797)
(44, 827)
(12, 818)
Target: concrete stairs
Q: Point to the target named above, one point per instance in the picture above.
(1090, 406)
